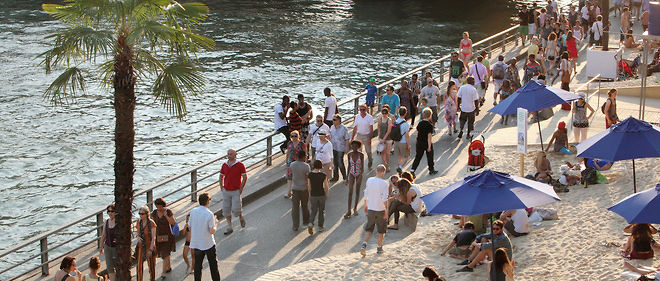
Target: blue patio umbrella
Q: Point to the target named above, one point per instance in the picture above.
(628, 140)
(488, 192)
(640, 207)
(533, 96)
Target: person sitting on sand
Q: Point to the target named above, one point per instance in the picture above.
(483, 249)
(543, 169)
(638, 251)
(404, 201)
(479, 221)
(516, 222)
(431, 275)
(598, 164)
(568, 177)
(501, 268)
(559, 138)
(458, 248)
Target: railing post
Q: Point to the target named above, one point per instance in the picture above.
(99, 228)
(356, 106)
(150, 199)
(269, 151)
(503, 43)
(44, 255)
(193, 186)
(490, 47)
(442, 71)
(517, 40)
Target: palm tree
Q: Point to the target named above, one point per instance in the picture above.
(121, 42)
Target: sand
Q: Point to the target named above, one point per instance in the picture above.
(583, 244)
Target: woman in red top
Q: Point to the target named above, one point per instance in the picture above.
(571, 46)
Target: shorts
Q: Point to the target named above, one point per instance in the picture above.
(511, 229)
(231, 202)
(110, 254)
(376, 218)
(370, 101)
(187, 243)
(523, 30)
(401, 149)
(456, 81)
(480, 91)
(532, 29)
(498, 84)
(460, 251)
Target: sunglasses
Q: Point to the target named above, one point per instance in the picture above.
(111, 211)
(497, 228)
(294, 136)
(363, 109)
(143, 214)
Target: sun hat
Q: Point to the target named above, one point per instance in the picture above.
(323, 132)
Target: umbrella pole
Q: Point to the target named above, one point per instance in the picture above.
(538, 122)
(634, 178)
(492, 238)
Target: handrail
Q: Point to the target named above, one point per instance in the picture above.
(501, 36)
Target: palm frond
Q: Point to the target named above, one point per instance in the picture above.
(190, 13)
(79, 42)
(69, 14)
(175, 82)
(71, 79)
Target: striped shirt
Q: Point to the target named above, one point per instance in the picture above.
(295, 122)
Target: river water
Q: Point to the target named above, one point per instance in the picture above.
(56, 162)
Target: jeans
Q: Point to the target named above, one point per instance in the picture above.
(318, 206)
(299, 201)
(213, 263)
(338, 159)
(397, 207)
(420, 149)
(284, 131)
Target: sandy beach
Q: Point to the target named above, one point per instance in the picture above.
(582, 245)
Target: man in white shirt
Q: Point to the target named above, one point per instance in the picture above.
(585, 18)
(203, 225)
(324, 153)
(375, 205)
(432, 94)
(468, 104)
(480, 74)
(401, 146)
(314, 130)
(330, 107)
(281, 111)
(363, 129)
(516, 222)
(597, 29)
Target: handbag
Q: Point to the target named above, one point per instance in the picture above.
(175, 229)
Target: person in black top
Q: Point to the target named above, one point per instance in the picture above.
(462, 241)
(305, 112)
(424, 142)
(318, 191)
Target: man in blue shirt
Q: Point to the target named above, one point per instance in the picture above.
(392, 100)
(371, 94)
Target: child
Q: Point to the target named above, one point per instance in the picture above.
(422, 104)
(355, 171)
(568, 176)
(186, 248)
(560, 139)
(318, 190)
(371, 94)
(94, 265)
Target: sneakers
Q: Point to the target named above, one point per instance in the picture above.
(464, 262)
(465, 269)
(310, 229)
(321, 229)
(242, 222)
(412, 172)
(460, 135)
(399, 170)
(363, 249)
(379, 250)
(433, 172)
(229, 231)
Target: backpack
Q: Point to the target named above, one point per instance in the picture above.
(395, 132)
(602, 107)
(498, 71)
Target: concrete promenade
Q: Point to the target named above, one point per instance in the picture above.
(268, 243)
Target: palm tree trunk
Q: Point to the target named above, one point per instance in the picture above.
(124, 105)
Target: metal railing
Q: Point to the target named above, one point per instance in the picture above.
(94, 222)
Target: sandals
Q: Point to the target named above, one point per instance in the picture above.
(347, 215)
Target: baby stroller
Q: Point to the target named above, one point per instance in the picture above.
(476, 154)
(627, 69)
